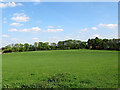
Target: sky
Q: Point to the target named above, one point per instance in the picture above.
(29, 22)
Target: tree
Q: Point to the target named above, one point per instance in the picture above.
(31, 47)
(83, 45)
(26, 47)
(46, 46)
(40, 46)
(35, 45)
(60, 45)
(105, 44)
(17, 47)
(7, 49)
(96, 43)
(53, 46)
(89, 45)
(21, 49)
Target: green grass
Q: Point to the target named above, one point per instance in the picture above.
(60, 69)
(0, 71)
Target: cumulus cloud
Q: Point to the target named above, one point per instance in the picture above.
(94, 28)
(9, 4)
(20, 4)
(50, 26)
(35, 39)
(12, 30)
(33, 30)
(16, 24)
(83, 30)
(96, 35)
(110, 26)
(59, 26)
(20, 17)
(53, 30)
(5, 36)
(19, 14)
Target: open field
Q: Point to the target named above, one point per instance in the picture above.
(0, 70)
(60, 69)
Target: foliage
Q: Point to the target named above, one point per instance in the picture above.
(95, 44)
(60, 80)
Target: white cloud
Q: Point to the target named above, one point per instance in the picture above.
(50, 26)
(53, 30)
(20, 4)
(16, 24)
(33, 30)
(35, 39)
(110, 26)
(84, 30)
(9, 4)
(59, 26)
(19, 14)
(20, 17)
(94, 28)
(12, 30)
(5, 36)
(96, 35)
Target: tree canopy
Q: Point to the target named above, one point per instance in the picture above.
(95, 44)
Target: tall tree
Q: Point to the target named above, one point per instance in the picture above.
(40, 46)
(35, 45)
(17, 47)
(53, 46)
(26, 47)
(21, 49)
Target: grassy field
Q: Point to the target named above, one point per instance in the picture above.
(0, 69)
(60, 69)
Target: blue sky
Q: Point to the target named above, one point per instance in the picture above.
(52, 22)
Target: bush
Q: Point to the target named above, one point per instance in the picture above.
(7, 50)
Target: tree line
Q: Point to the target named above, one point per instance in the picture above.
(95, 44)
